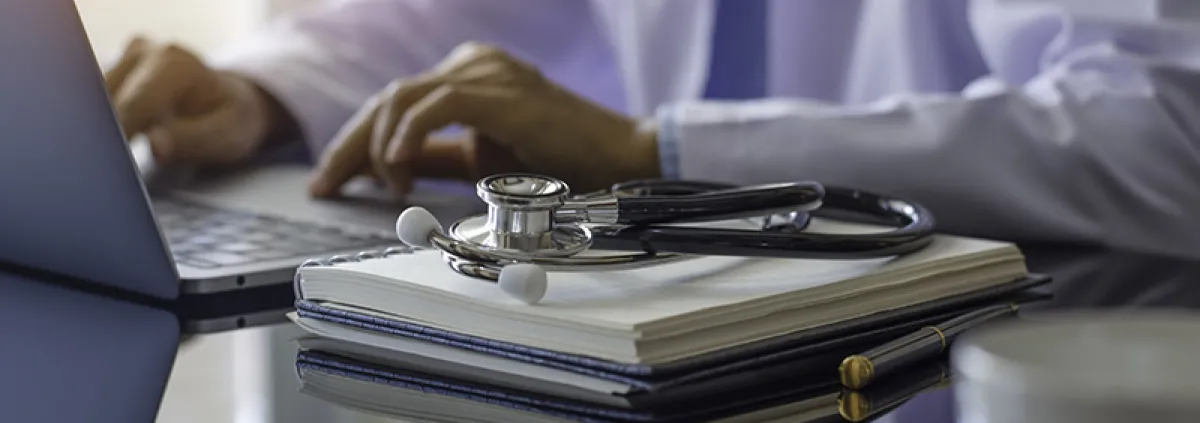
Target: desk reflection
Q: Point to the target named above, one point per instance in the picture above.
(1084, 280)
(70, 356)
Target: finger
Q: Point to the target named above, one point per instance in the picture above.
(488, 157)
(398, 98)
(208, 138)
(161, 144)
(149, 91)
(465, 157)
(367, 172)
(114, 78)
(348, 155)
(444, 159)
(442, 107)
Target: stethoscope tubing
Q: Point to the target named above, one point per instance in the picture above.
(915, 233)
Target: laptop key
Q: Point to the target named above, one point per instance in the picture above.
(209, 239)
(327, 238)
(226, 230)
(272, 254)
(298, 248)
(258, 237)
(238, 247)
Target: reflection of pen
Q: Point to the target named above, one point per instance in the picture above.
(886, 395)
(858, 370)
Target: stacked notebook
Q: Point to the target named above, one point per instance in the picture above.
(645, 341)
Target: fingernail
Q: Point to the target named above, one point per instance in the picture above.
(320, 187)
(393, 160)
(406, 180)
(160, 144)
(399, 186)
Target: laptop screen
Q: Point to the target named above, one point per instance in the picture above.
(71, 201)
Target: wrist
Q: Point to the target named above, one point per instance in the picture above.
(644, 150)
(281, 125)
(274, 123)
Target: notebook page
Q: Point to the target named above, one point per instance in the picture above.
(632, 297)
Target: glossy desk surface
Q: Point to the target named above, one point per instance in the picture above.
(73, 356)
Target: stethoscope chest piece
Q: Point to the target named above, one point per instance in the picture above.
(520, 222)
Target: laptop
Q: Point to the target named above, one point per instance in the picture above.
(73, 199)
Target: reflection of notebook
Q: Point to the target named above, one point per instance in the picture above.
(666, 313)
(402, 393)
(417, 394)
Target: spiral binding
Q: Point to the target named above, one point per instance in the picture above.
(339, 259)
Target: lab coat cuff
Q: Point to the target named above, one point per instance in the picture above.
(668, 142)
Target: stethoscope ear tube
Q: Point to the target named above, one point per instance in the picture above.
(719, 204)
(917, 227)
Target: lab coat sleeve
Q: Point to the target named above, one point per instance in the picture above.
(324, 62)
(1101, 146)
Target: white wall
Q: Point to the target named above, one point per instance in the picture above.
(203, 25)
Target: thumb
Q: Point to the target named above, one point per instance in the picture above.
(348, 155)
(486, 157)
(212, 138)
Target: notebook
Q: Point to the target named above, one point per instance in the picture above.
(665, 313)
(408, 345)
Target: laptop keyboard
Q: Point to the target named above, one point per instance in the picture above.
(207, 237)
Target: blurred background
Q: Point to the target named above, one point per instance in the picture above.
(256, 362)
(201, 24)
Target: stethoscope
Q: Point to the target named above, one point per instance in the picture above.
(533, 225)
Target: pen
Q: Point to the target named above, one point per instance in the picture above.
(857, 370)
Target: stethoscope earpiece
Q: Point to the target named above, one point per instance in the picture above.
(416, 226)
(523, 281)
(533, 225)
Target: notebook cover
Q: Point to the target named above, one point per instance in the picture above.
(715, 404)
(809, 349)
(800, 361)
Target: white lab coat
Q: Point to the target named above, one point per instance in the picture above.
(1076, 121)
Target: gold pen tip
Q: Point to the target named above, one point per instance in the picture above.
(855, 371)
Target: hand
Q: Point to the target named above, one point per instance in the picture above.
(189, 112)
(521, 121)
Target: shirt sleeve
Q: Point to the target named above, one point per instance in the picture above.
(668, 142)
(1101, 146)
(323, 64)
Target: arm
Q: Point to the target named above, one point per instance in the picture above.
(318, 67)
(1100, 145)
